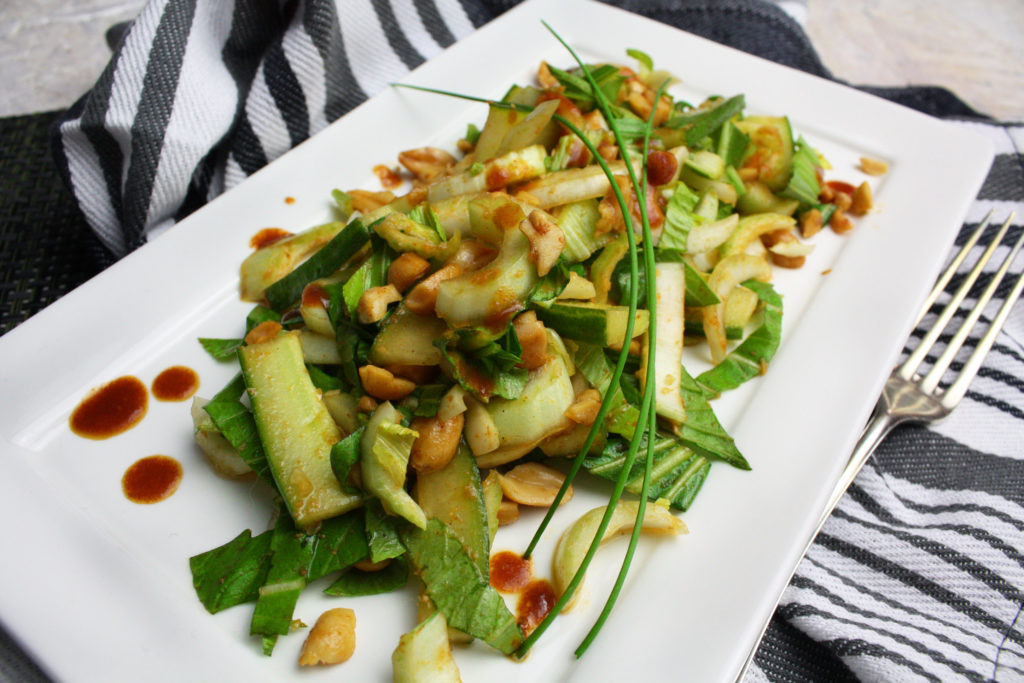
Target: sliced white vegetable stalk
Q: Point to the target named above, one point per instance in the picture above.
(424, 654)
(728, 273)
(575, 542)
(792, 248)
(514, 167)
(670, 279)
(589, 182)
(709, 235)
(752, 227)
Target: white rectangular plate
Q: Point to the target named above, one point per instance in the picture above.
(98, 588)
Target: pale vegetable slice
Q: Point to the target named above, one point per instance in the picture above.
(578, 287)
(342, 407)
(709, 235)
(424, 654)
(384, 458)
(295, 428)
(670, 280)
(539, 411)
(492, 501)
(318, 349)
(750, 228)
(222, 456)
(794, 248)
(452, 403)
(574, 543)
(728, 273)
(513, 167)
(267, 265)
(471, 299)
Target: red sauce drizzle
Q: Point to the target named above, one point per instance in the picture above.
(267, 236)
(151, 479)
(840, 186)
(111, 409)
(389, 179)
(176, 383)
(534, 604)
(510, 572)
(314, 294)
(497, 177)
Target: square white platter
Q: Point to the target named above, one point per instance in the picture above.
(98, 588)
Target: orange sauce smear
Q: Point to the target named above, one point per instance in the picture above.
(176, 383)
(111, 409)
(151, 479)
(267, 236)
(510, 573)
(389, 179)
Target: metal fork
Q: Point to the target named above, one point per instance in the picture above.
(911, 397)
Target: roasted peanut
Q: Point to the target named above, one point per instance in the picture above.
(366, 404)
(533, 484)
(546, 240)
(437, 442)
(426, 163)
(840, 222)
(862, 200)
(480, 431)
(532, 338)
(422, 297)
(365, 201)
(382, 385)
(368, 566)
(508, 512)
(417, 374)
(373, 304)
(265, 331)
(810, 223)
(332, 639)
(544, 76)
(873, 166)
(584, 409)
(405, 270)
(777, 237)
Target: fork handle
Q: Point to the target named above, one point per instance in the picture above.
(880, 424)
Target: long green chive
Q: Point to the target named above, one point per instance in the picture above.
(646, 423)
(647, 415)
(648, 399)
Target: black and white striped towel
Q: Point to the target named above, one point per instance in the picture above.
(919, 574)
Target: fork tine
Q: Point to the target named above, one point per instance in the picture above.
(909, 366)
(958, 388)
(953, 266)
(931, 380)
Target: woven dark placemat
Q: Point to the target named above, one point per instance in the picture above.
(46, 247)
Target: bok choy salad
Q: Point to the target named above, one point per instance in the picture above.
(415, 370)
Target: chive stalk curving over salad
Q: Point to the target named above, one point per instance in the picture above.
(414, 371)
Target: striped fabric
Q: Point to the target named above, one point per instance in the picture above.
(919, 574)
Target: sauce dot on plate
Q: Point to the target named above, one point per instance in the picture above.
(151, 479)
(534, 604)
(176, 383)
(510, 572)
(111, 409)
(267, 236)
